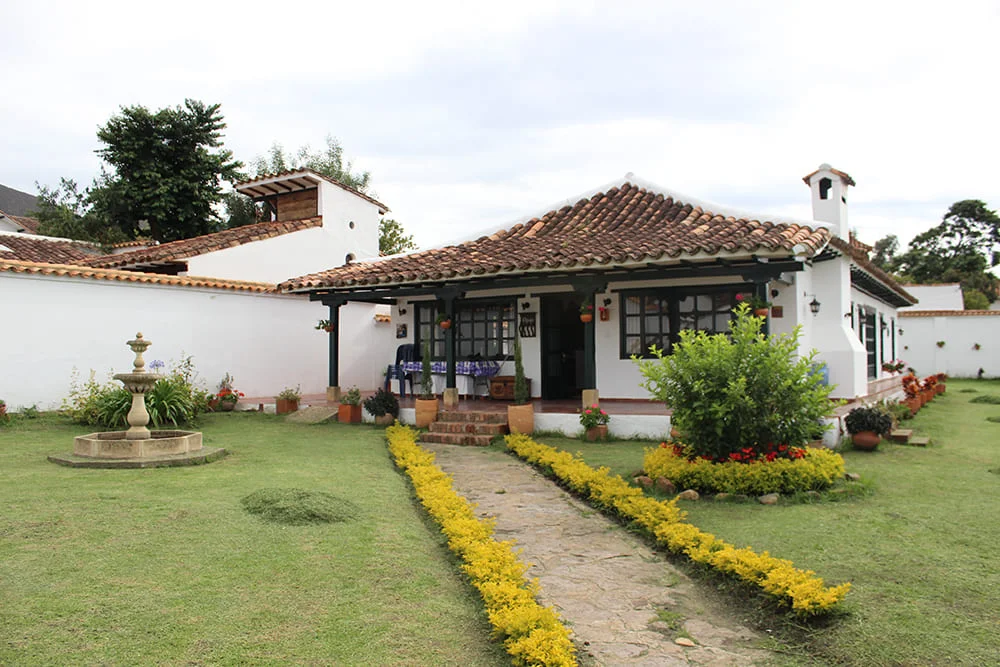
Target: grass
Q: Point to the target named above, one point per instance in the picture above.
(921, 550)
(165, 566)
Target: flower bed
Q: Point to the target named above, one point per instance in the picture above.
(532, 634)
(779, 471)
(801, 589)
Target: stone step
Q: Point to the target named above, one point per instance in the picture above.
(475, 428)
(457, 439)
(469, 416)
(902, 435)
(919, 441)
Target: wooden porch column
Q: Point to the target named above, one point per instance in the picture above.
(451, 386)
(760, 291)
(590, 394)
(333, 386)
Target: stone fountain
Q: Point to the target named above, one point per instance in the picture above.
(138, 447)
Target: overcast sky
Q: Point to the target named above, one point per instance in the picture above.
(470, 115)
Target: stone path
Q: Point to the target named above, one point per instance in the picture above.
(624, 603)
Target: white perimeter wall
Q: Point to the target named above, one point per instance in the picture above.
(267, 342)
(960, 333)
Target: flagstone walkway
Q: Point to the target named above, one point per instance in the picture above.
(624, 603)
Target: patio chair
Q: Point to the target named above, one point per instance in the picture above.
(395, 371)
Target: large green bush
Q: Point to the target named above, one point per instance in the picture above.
(741, 390)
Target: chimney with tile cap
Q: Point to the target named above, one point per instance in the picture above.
(829, 197)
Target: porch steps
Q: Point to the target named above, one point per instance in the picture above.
(456, 427)
(901, 435)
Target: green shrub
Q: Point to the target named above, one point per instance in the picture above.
(744, 390)
(297, 507)
(4, 417)
(868, 419)
(382, 403)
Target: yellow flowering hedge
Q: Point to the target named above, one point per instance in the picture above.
(801, 589)
(532, 634)
(817, 469)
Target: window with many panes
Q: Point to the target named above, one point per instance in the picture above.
(656, 317)
(483, 329)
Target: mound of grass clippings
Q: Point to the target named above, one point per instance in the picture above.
(994, 419)
(298, 507)
(987, 398)
(970, 390)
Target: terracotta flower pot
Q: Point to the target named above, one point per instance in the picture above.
(599, 432)
(446, 324)
(227, 406)
(914, 405)
(865, 440)
(761, 312)
(586, 317)
(521, 418)
(213, 404)
(349, 414)
(384, 420)
(939, 387)
(283, 406)
(427, 410)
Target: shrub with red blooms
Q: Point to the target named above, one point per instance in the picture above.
(766, 453)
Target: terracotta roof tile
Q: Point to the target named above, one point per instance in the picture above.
(626, 224)
(176, 251)
(76, 271)
(30, 224)
(35, 248)
(949, 313)
(860, 257)
(247, 187)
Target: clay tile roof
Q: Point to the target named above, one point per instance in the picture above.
(844, 176)
(628, 223)
(176, 251)
(296, 179)
(860, 257)
(76, 271)
(30, 224)
(34, 248)
(949, 313)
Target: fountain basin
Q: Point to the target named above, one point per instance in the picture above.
(115, 444)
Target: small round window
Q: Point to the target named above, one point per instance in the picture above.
(351, 224)
(349, 258)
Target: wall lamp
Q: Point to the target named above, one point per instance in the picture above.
(525, 305)
(402, 311)
(607, 301)
(814, 304)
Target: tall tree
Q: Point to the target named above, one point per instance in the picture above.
(166, 170)
(392, 238)
(66, 212)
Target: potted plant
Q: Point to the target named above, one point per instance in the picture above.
(227, 396)
(586, 312)
(760, 307)
(595, 421)
(427, 404)
(867, 426)
(444, 321)
(4, 417)
(382, 405)
(520, 415)
(349, 411)
(287, 400)
(911, 387)
(324, 325)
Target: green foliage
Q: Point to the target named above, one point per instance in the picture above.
(382, 403)
(4, 417)
(975, 300)
(329, 162)
(66, 212)
(392, 238)
(351, 397)
(746, 390)
(426, 381)
(593, 416)
(868, 419)
(289, 394)
(885, 250)
(520, 383)
(297, 507)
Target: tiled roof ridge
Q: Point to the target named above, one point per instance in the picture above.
(328, 179)
(199, 245)
(949, 313)
(861, 258)
(930, 284)
(26, 221)
(77, 271)
(49, 239)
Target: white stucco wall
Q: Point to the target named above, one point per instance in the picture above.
(339, 209)
(960, 333)
(936, 297)
(266, 342)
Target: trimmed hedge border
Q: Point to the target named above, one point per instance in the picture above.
(816, 470)
(532, 634)
(801, 589)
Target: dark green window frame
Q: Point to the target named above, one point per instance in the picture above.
(484, 328)
(656, 316)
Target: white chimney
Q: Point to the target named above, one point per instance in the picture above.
(829, 198)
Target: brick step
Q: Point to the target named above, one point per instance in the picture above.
(478, 417)
(475, 428)
(457, 439)
(919, 441)
(902, 435)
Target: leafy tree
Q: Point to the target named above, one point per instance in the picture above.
(885, 251)
(975, 300)
(167, 169)
(66, 212)
(392, 238)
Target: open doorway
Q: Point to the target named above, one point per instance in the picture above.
(562, 346)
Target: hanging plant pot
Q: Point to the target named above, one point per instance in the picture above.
(761, 312)
(328, 329)
(445, 324)
(586, 317)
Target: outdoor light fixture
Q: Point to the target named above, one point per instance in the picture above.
(607, 301)
(402, 311)
(814, 306)
(525, 305)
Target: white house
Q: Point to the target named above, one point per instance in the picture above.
(650, 262)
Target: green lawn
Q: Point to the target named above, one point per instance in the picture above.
(921, 551)
(165, 567)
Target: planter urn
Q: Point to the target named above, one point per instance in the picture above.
(521, 418)
(599, 432)
(283, 406)
(445, 324)
(761, 312)
(384, 420)
(427, 410)
(349, 414)
(227, 406)
(586, 317)
(865, 440)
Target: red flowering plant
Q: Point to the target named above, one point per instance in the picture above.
(593, 416)
(929, 382)
(227, 393)
(911, 386)
(758, 454)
